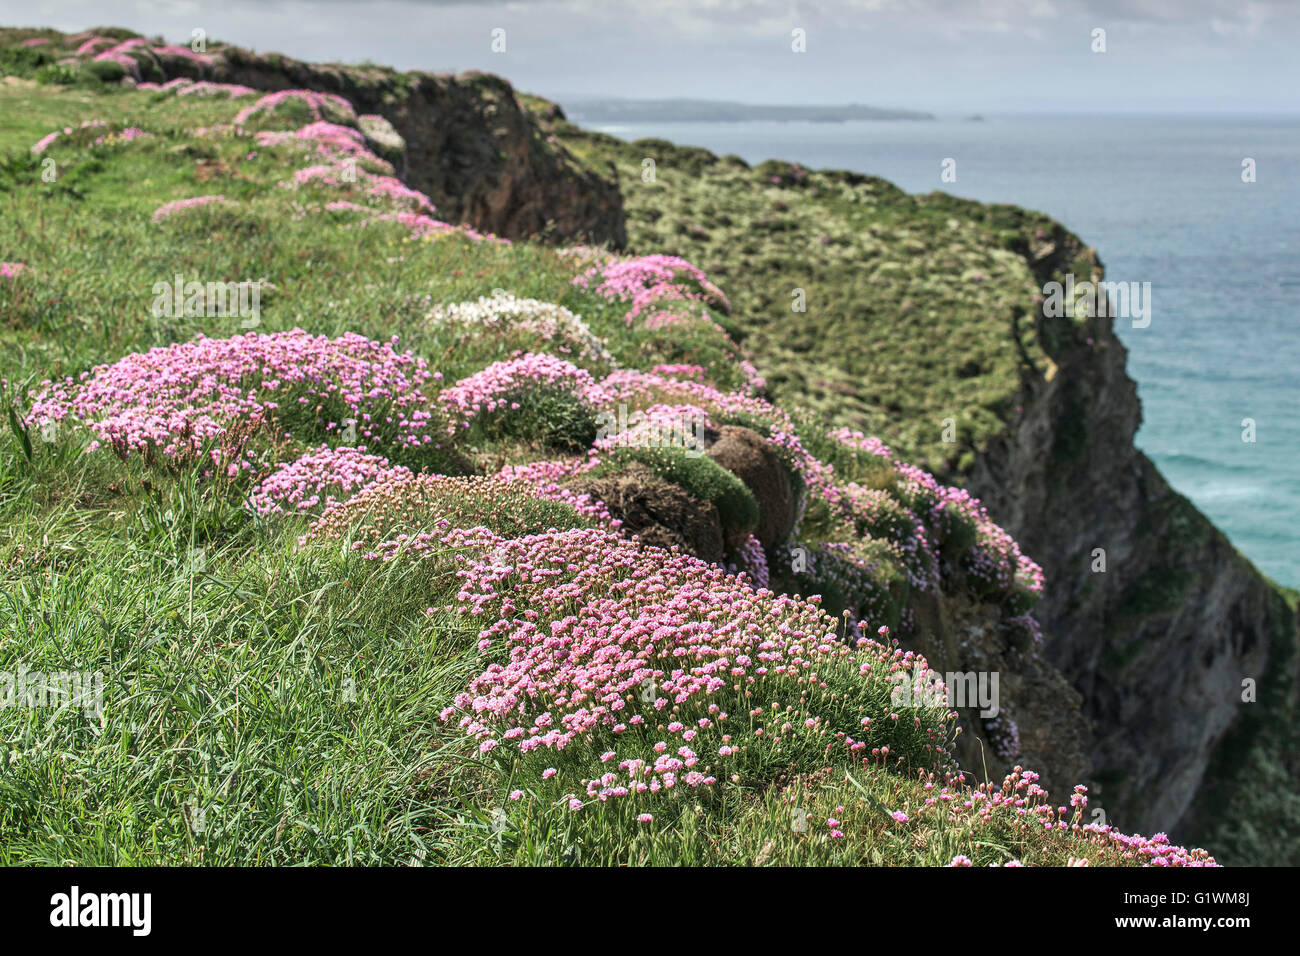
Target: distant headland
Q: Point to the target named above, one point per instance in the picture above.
(722, 111)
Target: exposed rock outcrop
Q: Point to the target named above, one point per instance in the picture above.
(748, 456)
(470, 146)
(1039, 721)
(1158, 643)
(657, 511)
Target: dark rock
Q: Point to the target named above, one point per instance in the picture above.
(748, 456)
(470, 146)
(658, 512)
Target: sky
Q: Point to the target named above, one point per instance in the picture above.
(944, 56)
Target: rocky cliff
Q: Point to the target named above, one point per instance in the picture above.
(470, 146)
(1152, 614)
(1157, 650)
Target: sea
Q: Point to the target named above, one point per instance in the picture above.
(1165, 200)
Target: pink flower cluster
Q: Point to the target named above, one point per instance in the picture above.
(321, 106)
(502, 385)
(184, 86)
(633, 385)
(752, 560)
(170, 209)
(994, 558)
(320, 479)
(647, 280)
(655, 427)
(10, 270)
(667, 668)
(44, 142)
(858, 442)
(185, 53)
(331, 141)
(1022, 802)
(413, 205)
(120, 54)
(131, 52)
(877, 514)
(178, 399)
(92, 44)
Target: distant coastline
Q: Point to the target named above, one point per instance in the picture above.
(582, 110)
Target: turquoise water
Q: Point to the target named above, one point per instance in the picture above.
(1162, 200)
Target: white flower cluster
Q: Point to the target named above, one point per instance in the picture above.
(546, 320)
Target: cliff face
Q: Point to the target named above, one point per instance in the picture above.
(920, 313)
(1160, 641)
(470, 146)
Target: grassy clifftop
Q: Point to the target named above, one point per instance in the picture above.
(911, 316)
(341, 512)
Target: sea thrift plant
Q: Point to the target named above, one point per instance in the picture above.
(320, 479)
(993, 558)
(172, 402)
(45, 141)
(121, 55)
(643, 281)
(641, 671)
(10, 270)
(218, 90)
(167, 210)
(93, 44)
(635, 387)
(416, 516)
(1019, 805)
(506, 386)
(505, 314)
(752, 560)
(330, 140)
(320, 106)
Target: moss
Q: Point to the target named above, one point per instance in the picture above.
(553, 417)
(1120, 655)
(1250, 807)
(701, 477)
(1176, 522)
(1158, 591)
(1071, 441)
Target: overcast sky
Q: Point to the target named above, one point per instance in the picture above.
(945, 56)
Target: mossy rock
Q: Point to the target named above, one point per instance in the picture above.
(658, 511)
(744, 453)
(702, 478)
